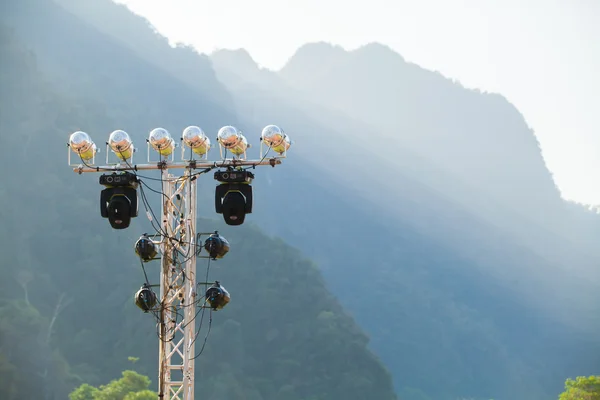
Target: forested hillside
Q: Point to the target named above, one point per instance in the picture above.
(66, 311)
(456, 305)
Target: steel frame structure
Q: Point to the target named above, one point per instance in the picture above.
(178, 285)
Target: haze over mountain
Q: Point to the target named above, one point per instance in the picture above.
(447, 134)
(435, 247)
(510, 247)
(243, 77)
(68, 279)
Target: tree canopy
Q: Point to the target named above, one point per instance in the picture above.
(582, 388)
(131, 386)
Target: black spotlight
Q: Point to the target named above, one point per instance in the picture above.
(217, 297)
(233, 197)
(118, 202)
(145, 298)
(145, 248)
(216, 246)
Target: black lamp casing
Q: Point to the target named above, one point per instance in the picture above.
(234, 201)
(119, 205)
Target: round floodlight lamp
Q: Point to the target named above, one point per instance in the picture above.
(216, 246)
(217, 297)
(195, 138)
(82, 145)
(145, 248)
(232, 139)
(145, 299)
(274, 137)
(229, 136)
(160, 139)
(121, 144)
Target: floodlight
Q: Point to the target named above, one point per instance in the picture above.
(82, 145)
(195, 138)
(121, 144)
(230, 138)
(145, 298)
(145, 248)
(160, 139)
(217, 297)
(233, 197)
(216, 246)
(275, 138)
(118, 202)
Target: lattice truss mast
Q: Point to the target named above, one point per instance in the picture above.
(177, 287)
(176, 241)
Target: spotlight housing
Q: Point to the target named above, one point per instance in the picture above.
(195, 138)
(231, 138)
(160, 139)
(216, 246)
(145, 248)
(120, 143)
(217, 297)
(145, 298)
(233, 197)
(82, 145)
(118, 202)
(275, 138)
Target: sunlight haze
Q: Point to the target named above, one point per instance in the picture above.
(543, 56)
(411, 190)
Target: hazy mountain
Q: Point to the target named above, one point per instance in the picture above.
(479, 139)
(527, 207)
(404, 193)
(454, 304)
(92, 60)
(142, 40)
(338, 143)
(68, 279)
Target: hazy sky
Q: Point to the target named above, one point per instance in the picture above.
(543, 55)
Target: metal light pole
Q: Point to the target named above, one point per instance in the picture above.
(177, 288)
(178, 283)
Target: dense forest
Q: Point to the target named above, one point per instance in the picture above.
(460, 295)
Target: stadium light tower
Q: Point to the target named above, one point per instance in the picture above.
(177, 232)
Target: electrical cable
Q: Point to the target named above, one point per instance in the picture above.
(205, 337)
(261, 160)
(176, 262)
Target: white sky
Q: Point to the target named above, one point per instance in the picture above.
(543, 55)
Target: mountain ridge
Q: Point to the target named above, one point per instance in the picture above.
(519, 179)
(274, 106)
(439, 181)
(429, 309)
(289, 349)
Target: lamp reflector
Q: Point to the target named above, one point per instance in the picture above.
(274, 137)
(121, 144)
(195, 138)
(232, 139)
(160, 139)
(82, 145)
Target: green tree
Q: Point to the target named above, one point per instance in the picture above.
(142, 395)
(582, 388)
(131, 386)
(84, 392)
